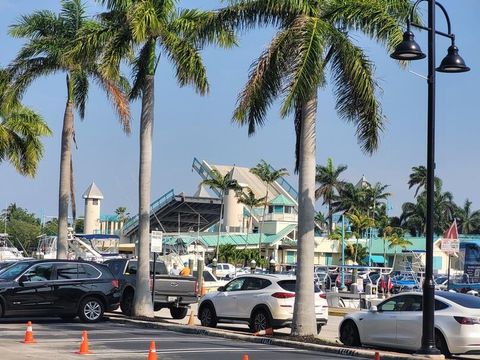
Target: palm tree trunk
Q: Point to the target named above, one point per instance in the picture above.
(64, 183)
(219, 225)
(261, 225)
(304, 322)
(330, 217)
(72, 194)
(142, 305)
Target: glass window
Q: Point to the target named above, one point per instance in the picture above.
(86, 271)
(402, 303)
(40, 272)
(67, 271)
(439, 305)
(255, 284)
(116, 267)
(464, 300)
(289, 285)
(14, 270)
(270, 209)
(288, 209)
(95, 202)
(235, 285)
(131, 268)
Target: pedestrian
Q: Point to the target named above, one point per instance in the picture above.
(175, 270)
(186, 270)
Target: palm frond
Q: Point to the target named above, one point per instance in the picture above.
(141, 69)
(355, 91)
(80, 91)
(39, 24)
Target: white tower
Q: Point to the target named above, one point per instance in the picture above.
(93, 197)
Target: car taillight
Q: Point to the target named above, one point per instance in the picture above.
(196, 288)
(283, 295)
(115, 283)
(467, 321)
(323, 295)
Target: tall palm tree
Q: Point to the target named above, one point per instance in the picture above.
(330, 185)
(350, 198)
(313, 35)
(251, 201)
(268, 175)
(359, 223)
(395, 240)
(468, 220)
(20, 133)
(51, 39)
(375, 195)
(418, 178)
(155, 27)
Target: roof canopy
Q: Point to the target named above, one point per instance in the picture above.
(93, 192)
(282, 200)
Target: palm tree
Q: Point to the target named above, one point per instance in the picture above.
(321, 221)
(349, 199)
(395, 240)
(20, 133)
(268, 175)
(179, 34)
(468, 220)
(374, 196)
(354, 252)
(223, 184)
(359, 223)
(51, 39)
(313, 35)
(121, 212)
(249, 200)
(418, 178)
(330, 185)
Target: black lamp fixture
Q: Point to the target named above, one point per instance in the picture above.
(407, 50)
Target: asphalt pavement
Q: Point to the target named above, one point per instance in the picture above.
(57, 339)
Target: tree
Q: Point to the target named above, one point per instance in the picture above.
(395, 240)
(330, 185)
(20, 133)
(356, 253)
(374, 196)
(313, 35)
(418, 178)
(121, 212)
(50, 228)
(268, 175)
(79, 226)
(249, 200)
(349, 199)
(321, 221)
(468, 220)
(49, 49)
(23, 227)
(359, 223)
(223, 184)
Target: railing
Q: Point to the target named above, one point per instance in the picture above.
(286, 186)
(157, 204)
(204, 173)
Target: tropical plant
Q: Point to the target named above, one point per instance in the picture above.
(330, 185)
(359, 224)
(321, 221)
(223, 184)
(20, 133)
(467, 219)
(313, 35)
(375, 196)
(350, 198)
(268, 175)
(249, 200)
(49, 50)
(356, 253)
(121, 212)
(418, 178)
(179, 34)
(396, 240)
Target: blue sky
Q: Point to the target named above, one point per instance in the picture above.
(188, 126)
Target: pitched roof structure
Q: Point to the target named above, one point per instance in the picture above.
(282, 200)
(93, 192)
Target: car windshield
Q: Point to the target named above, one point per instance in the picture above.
(468, 301)
(289, 285)
(14, 270)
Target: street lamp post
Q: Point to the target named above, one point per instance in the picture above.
(343, 252)
(407, 50)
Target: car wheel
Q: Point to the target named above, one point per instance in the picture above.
(441, 343)
(178, 312)
(91, 310)
(67, 317)
(126, 304)
(260, 320)
(349, 334)
(207, 316)
(157, 307)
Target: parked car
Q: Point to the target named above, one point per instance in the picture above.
(397, 323)
(210, 281)
(223, 270)
(173, 292)
(261, 301)
(61, 288)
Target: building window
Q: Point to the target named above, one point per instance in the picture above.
(270, 209)
(288, 209)
(95, 201)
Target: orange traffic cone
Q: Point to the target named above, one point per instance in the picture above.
(29, 339)
(377, 355)
(245, 357)
(152, 353)
(266, 332)
(204, 291)
(84, 345)
(191, 319)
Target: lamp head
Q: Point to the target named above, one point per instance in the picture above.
(452, 63)
(408, 49)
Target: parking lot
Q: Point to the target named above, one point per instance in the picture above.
(57, 339)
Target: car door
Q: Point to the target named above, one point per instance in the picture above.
(380, 327)
(252, 294)
(67, 287)
(409, 323)
(226, 300)
(34, 291)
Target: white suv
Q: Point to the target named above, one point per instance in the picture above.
(261, 301)
(223, 270)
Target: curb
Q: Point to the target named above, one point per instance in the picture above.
(226, 334)
(334, 311)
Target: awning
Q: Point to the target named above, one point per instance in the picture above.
(377, 259)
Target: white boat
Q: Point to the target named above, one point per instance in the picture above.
(8, 252)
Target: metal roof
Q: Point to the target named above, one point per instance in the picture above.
(93, 192)
(282, 200)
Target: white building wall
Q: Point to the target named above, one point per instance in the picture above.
(92, 216)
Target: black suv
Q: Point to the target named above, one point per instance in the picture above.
(61, 288)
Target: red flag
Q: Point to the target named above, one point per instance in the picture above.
(452, 232)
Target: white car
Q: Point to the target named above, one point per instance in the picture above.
(261, 301)
(223, 270)
(397, 323)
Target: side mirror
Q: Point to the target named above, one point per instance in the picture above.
(373, 309)
(22, 279)
(221, 288)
